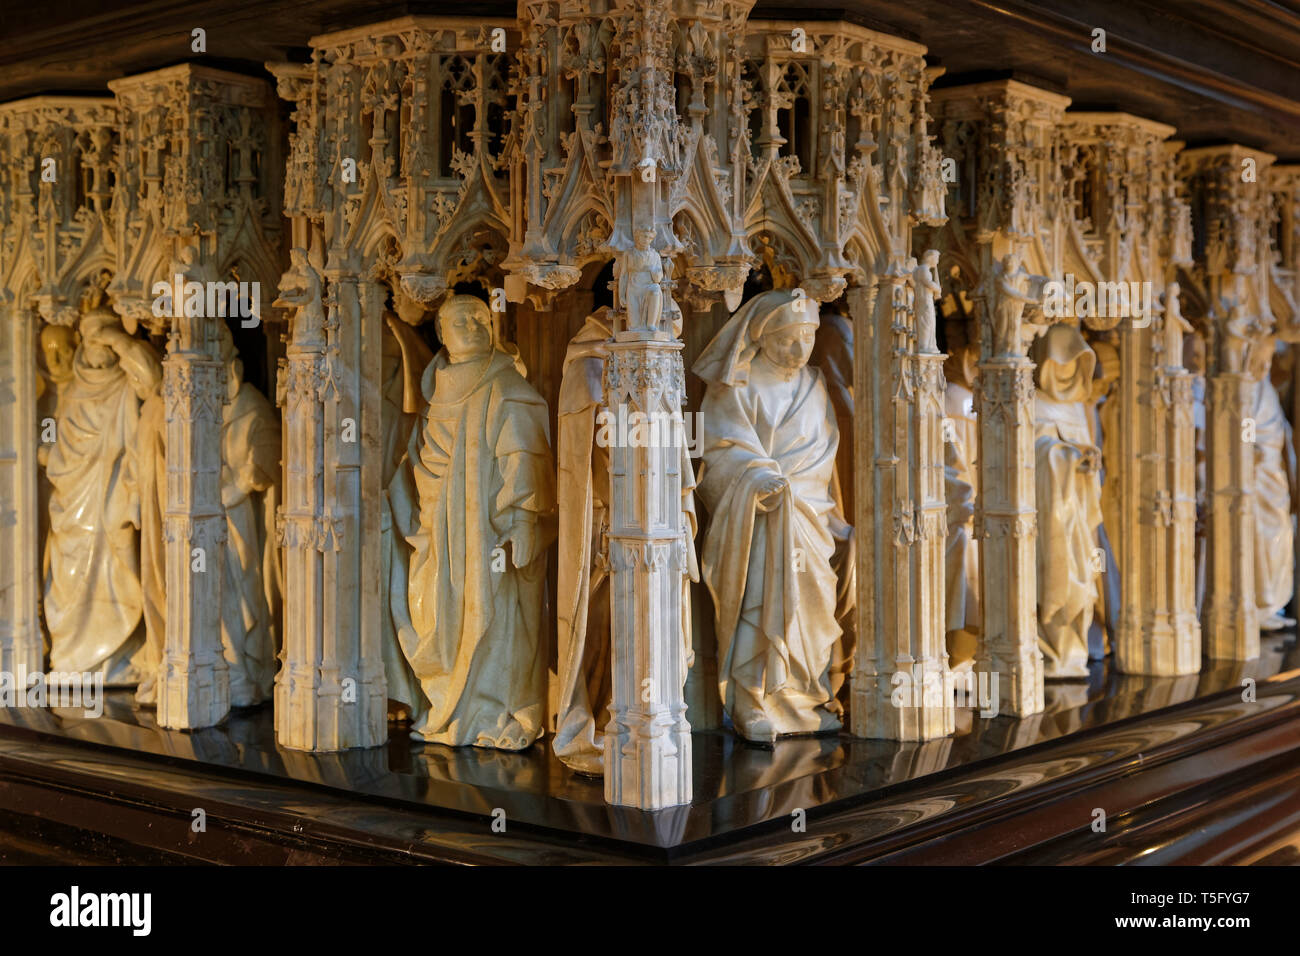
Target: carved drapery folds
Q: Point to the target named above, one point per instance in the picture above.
(56, 234)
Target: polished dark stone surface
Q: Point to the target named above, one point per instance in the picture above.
(737, 786)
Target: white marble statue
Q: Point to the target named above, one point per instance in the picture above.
(475, 500)
(1274, 475)
(582, 590)
(250, 478)
(1069, 500)
(93, 600)
(777, 534)
(1011, 285)
(1173, 326)
(928, 291)
(639, 276)
(961, 485)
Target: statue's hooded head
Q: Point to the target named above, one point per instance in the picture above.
(781, 324)
(465, 327)
(1065, 364)
(94, 351)
(59, 345)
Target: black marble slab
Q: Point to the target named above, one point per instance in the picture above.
(737, 786)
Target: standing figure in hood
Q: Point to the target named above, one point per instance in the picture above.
(1067, 476)
(777, 534)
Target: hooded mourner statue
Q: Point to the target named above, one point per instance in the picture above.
(474, 499)
(777, 534)
(1067, 476)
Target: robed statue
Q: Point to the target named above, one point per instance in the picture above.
(93, 599)
(1067, 479)
(778, 553)
(1275, 468)
(475, 499)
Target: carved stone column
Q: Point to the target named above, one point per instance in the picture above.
(1005, 139)
(1232, 276)
(648, 740)
(194, 680)
(303, 527)
(902, 687)
(1006, 522)
(1137, 228)
(21, 647)
(191, 138)
(1231, 618)
(331, 693)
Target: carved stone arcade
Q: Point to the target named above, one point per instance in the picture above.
(690, 151)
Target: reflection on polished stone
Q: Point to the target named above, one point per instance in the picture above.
(737, 784)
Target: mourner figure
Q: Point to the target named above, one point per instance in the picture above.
(475, 500)
(93, 599)
(1069, 500)
(777, 534)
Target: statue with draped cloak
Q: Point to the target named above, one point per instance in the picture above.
(475, 500)
(584, 658)
(961, 485)
(93, 599)
(1067, 465)
(1274, 475)
(777, 535)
